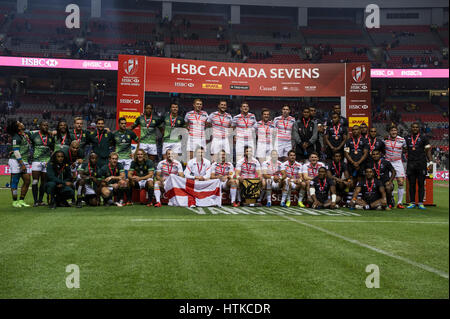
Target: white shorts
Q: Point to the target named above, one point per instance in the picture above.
(126, 163)
(39, 167)
(272, 185)
(240, 144)
(14, 166)
(399, 168)
(143, 182)
(150, 149)
(219, 144)
(284, 148)
(89, 190)
(263, 151)
(193, 143)
(175, 147)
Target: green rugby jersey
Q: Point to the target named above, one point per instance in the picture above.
(81, 137)
(22, 143)
(89, 170)
(148, 127)
(62, 142)
(43, 146)
(122, 142)
(169, 124)
(142, 169)
(71, 158)
(107, 171)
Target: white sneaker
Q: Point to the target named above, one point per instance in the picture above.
(358, 207)
(192, 206)
(119, 204)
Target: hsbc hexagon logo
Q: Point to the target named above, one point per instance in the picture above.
(51, 62)
(130, 66)
(359, 73)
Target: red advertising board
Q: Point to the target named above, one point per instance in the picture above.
(357, 95)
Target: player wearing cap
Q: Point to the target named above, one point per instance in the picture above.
(244, 124)
(148, 123)
(373, 195)
(394, 145)
(322, 191)
(165, 168)
(224, 171)
(283, 129)
(271, 170)
(196, 122)
(264, 131)
(292, 179)
(418, 148)
(220, 121)
(140, 175)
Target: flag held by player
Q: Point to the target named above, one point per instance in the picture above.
(185, 192)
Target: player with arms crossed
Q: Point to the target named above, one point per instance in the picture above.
(271, 170)
(248, 167)
(164, 169)
(196, 122)
(373, 195)
(89, 182)
(43, 144)
(283, 128)
(172, 122)
(264, 131)
(394, 145)
(244, 124)
(384, 171)
(322, 191)
(114, 180)
(21, 148)
(140, 174)
(147, 123)
(291, 173)
(220, 121)
(224, 171)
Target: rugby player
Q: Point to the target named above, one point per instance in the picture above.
(172, 121)
(373, 195)
(101, 140)
(59, 185)
(198, 168)
(322, 191)
(283, 128)
(88, 182)
(385, 172)
(244, 124)
(122, 142)
(196, 122)
(224, 171)
(291, 173)
(163, 170)
(271, 170)
(140, 174)
(114, 181)
(148, 122)
(375, 142)
(248, 167)
(335, 136)
(394, 145)
(338, 171)
(304, 135)
(310, 170)
(62, 136)
(220, 121)
(264, 131)
(356, 151)
(77, 133)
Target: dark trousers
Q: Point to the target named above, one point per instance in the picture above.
(59, 193)
(416, 172)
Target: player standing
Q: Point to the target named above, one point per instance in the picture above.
(304, 135)
(335, 136)
(77, 133)
(172, 121)
(196, 122)
(356, 151)
(375, 142)
(62, 137)
(283, 128)
(21, 148)
(221, 122)
(394, 145)
(271, 170)
(148, 123)
(163, 170)
(291, 173)
(264, 132)
(101, 140)
(224, 171)
(244, 124)
(418, 149)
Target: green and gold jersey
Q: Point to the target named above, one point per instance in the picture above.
(22, 143)
(80, 137)
(107, 171)
(62, 142)
(71, 158)
(122, 143)
(101, 142)
(148, 127)
(169, 124)
(43, 145)
(142, 169)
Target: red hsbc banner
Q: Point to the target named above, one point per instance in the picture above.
(207, 77)
(130, 87)
(357, 95)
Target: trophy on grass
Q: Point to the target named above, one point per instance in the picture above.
(250, 191)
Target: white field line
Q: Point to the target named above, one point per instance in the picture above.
(380, 251)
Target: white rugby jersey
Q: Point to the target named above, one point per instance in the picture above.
(244, 126)
(293, 170)
(196, 123)
(166, 168)
(221, 123)
(312, 170)
(197, 169)
(264, 131)
(248, 168)
(283, 128)
(394, 148)
(273, 169)
(222, 169)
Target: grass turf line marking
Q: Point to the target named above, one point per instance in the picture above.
(204, 220)
(380, 251)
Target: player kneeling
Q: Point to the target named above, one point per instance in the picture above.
(163, 171)
(225, 171)
(114, 181)
(272, 174)
(322, 191)
(373, 195)
(292, 180)
(140, 174)
(88, 183)
(59, 182)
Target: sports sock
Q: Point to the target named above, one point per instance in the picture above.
(41, 191)
(233, 191)
(157, 195)
(150, 194)
(284, 193)
(301, 194)
(34, 189)
(400, 192)
(129, 192)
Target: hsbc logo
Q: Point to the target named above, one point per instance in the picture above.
(136, 101)
(51, 62)
(358, 107)
(359, 73)
(128, 101)
(184, 84)
(130, 66)
(39, 62)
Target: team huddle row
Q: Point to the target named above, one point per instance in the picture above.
(359, 172)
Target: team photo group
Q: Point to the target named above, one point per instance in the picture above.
(325, 163)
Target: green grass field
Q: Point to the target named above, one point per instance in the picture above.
(140, 252)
